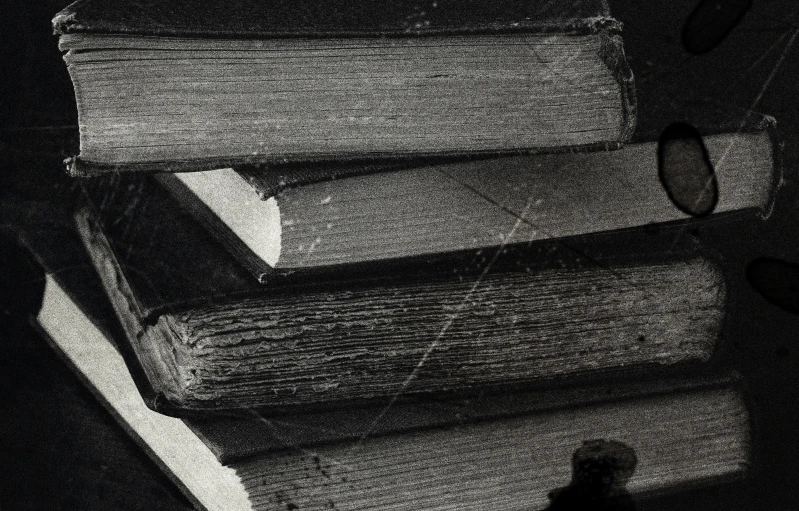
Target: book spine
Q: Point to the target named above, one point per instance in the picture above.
(145, 357)
(769, 125)
(612, 53)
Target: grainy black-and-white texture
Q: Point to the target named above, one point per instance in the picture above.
(684, 53)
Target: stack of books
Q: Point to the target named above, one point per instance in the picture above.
(396, 256)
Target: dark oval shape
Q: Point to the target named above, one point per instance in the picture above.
(776, 280)
(710, 22)
(685, 170)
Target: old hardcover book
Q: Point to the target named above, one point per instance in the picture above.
(211, 337)
(170, 86)
(509, 452)
(308, 219)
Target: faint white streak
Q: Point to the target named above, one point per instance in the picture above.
(288, 443)
(522, 218)
(450, 320)
(762, 91)
(310, 249)
(742, 125)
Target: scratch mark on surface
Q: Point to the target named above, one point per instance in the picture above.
(718, 163)
(765, 54)
(762, 91)
(450, 320)
(522, 218)
(288, 443)
(311, 248)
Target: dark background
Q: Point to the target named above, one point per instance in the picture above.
(60, 450)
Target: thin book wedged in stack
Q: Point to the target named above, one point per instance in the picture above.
(185, 86)
(312, 219)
